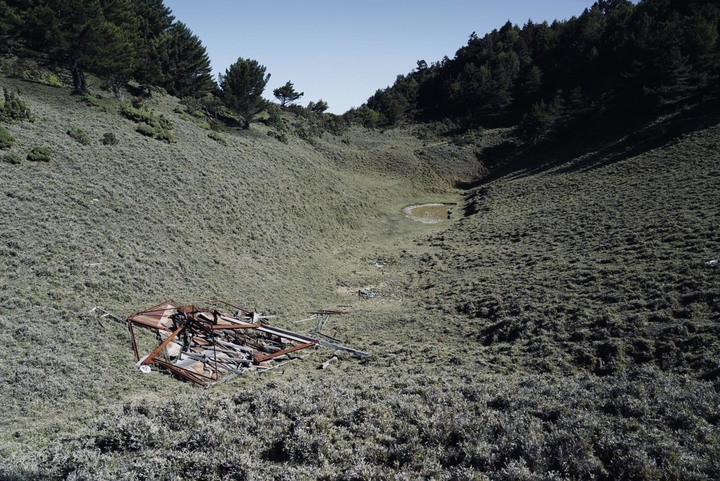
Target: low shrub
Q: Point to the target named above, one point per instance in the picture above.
(12, 157)
(90, 100)
(146, 130)
(79, 135)
(40, 153)
(14, 108)
(53, 80)
(165, 136)
(193, 106)
(6, 138)
(275, 119)
(281, 136)
(151, 125)
(156, 133)
(217, 138)
(109, 139)
(143, 116)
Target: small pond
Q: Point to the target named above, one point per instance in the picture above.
(429, 213)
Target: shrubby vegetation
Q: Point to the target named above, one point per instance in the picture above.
(157, 127)
(40, 153)
(13, 108)
(12, 157)
(217, 137)
(109, 138)
(79, 135)
(564, 325)
(6, 138)
(522, 427)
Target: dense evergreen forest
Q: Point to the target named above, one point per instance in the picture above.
(615, 57)
(117, 40)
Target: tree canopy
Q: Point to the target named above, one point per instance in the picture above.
(615, 56)
(184, 66)
(287, 94)
(241, 89)
(114, 39)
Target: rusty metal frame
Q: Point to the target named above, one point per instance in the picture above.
(211, 339)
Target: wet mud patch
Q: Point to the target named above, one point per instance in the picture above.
(432, 213)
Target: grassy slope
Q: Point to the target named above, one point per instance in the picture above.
(562, 326)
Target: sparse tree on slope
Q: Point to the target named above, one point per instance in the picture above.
(287, 94)
(242, 87)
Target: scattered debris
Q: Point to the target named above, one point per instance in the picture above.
(367, 294)
(208, 346)
(380, 262)
(713, 262)
(327, 363)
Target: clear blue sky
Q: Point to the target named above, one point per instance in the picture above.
(344, 50)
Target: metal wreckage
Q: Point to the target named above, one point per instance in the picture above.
(207, 346)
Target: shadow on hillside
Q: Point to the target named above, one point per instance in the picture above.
(596, 144)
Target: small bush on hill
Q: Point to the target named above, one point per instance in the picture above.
(79, 135)
(12, 157)
(53, 80)
(281, 136)
(275, 118)
(217, 138)
(13, 108)
(109, 139)
(6, 138)
(90, 100)
(151, 125)
(40, 153)
(143, 116)
(193, 106)
(156, 133)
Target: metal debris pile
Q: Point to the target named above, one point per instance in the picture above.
(206, 346)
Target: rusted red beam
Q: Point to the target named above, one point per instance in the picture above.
(158, 350)
(298, 347)
(183, 373)
(133, 342)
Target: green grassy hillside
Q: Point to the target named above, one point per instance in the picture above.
(563, 324)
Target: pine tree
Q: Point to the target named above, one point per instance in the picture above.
(318, 107)
(85, 36)
(10, 26)
(153, 19)
(287, 94)
(184, 63)
(242, 87)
